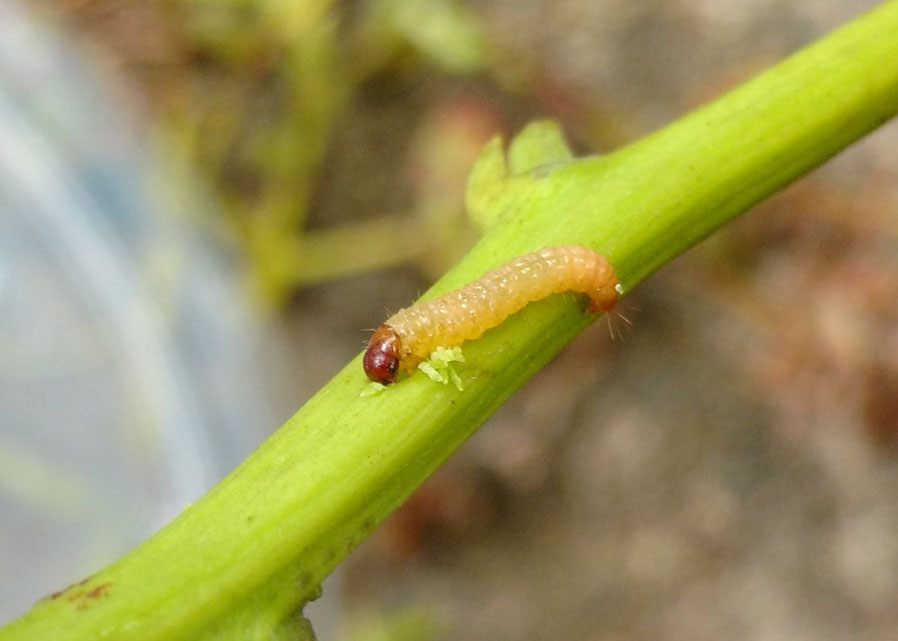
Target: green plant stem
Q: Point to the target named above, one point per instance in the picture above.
(356, 248)
(239, 561)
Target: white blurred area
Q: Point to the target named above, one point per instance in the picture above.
(133, 373)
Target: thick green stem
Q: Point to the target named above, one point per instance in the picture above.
(236, 563)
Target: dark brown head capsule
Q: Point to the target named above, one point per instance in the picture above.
(381, 361)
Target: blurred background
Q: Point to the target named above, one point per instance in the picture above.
(204, 202)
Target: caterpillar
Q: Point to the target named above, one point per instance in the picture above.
(411, 334)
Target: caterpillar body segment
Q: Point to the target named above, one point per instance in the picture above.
(411, 334)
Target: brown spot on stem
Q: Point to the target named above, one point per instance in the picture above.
(81, 598)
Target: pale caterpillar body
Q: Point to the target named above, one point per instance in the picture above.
(411, 334)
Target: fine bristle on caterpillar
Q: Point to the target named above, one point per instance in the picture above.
(411, 334)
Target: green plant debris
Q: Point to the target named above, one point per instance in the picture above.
(372, 388)
(438, 366)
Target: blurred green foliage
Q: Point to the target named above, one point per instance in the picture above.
(407, 624)
(267, 82)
